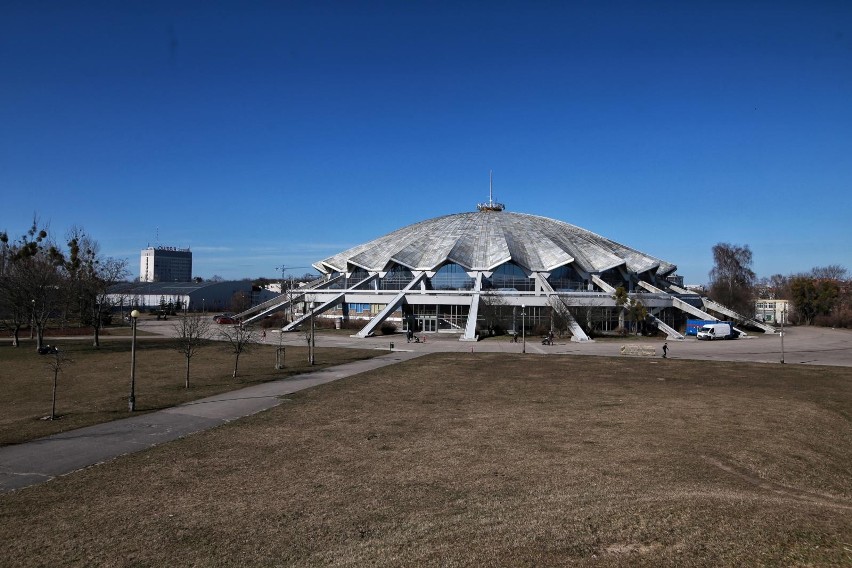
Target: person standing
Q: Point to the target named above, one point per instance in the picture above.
(665, 349)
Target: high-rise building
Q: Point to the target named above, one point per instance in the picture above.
(165, 264)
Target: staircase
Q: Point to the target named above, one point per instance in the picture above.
(284, 300)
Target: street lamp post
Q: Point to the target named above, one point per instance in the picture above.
(32, 320)
(312, 334)
(783, 317)
(524, 327)
(134, 315)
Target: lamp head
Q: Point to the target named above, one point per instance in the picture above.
(134, 314)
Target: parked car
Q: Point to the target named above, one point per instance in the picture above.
(225, 320)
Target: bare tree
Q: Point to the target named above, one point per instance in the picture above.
(29, 280)
(16, 304)
(192, 332)
(830, 272)
(560, 315)
(89, 278)
(39, 281)
(776, 286)
(492, 306)
(240, 302)
(622, 302)
(637, 313)
(732, 280)
(590, 316)
(239, 339)
(56, 363)
(110, 272)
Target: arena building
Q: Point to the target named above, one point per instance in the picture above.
(490, 270)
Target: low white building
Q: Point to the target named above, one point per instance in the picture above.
(772, 311)
(194, 296)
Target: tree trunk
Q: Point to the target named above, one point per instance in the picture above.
(39, 337)
(236, 362)
(97, 342)
(16, 340)
(186, 382)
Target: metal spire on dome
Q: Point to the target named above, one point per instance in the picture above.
(491, 205)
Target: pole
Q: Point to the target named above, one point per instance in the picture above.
(312, 333)
(132, 400)
(279, 353)
(524, 327)
(783, 317)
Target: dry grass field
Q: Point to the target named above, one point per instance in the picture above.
(480, 460)
(94, 386)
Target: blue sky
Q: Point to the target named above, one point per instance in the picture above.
(262, 134)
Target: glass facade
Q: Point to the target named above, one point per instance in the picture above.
(451, 277)
(566, 279)
(429, 319)
(356, 276)
(397, 278)
(613, 278)
(509, 277)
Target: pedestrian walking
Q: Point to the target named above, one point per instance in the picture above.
(665, 349)
(263, 335)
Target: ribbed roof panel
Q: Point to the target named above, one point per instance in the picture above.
(483, 240)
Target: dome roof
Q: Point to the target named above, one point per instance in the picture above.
(483, 240)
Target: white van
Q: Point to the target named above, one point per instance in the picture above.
(717, 331)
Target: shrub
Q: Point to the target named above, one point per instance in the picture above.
(388, 328)
(541, 329)
(838, 318)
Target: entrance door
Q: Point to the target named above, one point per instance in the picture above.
(427, 324)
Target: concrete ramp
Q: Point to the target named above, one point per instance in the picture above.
(577, 333)
(368, 329)
(671, 333)
(282, 301)
(472, 315)
(603, 285)
(717, 307)
(324, 307)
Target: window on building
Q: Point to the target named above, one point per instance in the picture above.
(509, 276)
(451, 276)
(565, 279)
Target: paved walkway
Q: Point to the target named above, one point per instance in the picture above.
(35, 462)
